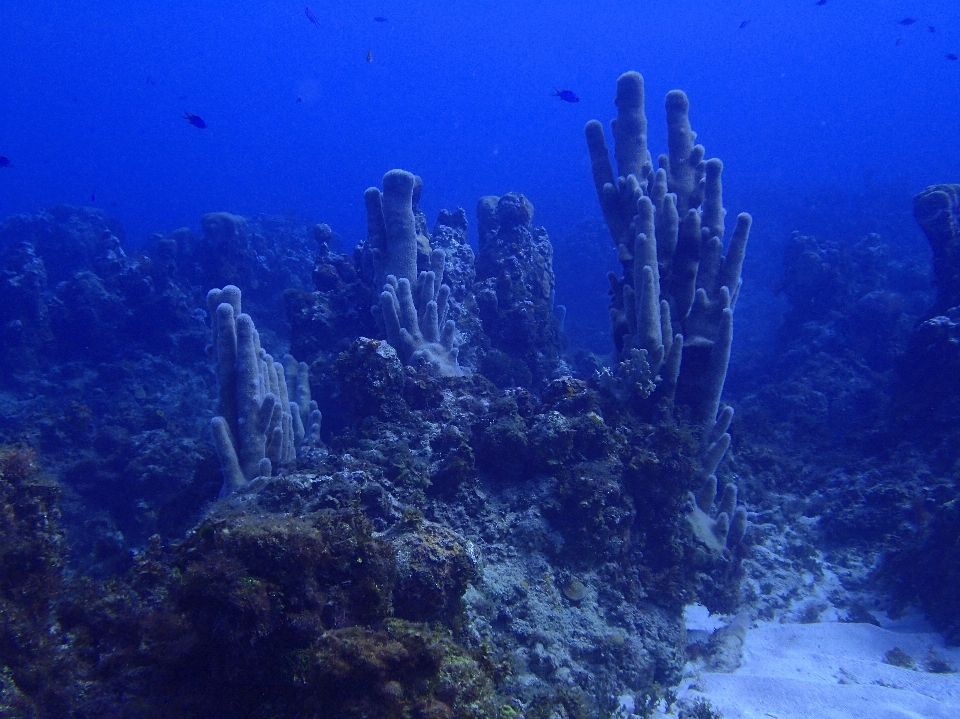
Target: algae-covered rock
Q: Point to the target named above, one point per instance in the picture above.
(434, 566)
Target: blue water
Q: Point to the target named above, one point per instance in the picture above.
(804, 96)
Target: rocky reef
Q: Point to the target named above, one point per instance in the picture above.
(487, 522)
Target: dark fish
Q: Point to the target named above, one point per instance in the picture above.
(370, 56)
(4, 161)
(566, 95)
(310, 16)
(899, 41)
(195, 120)
(379, 18)
(744, 24)
(93, 196)
(299, 99)
(951, 56)
(931, 28)
(821, 2)
(151, 81)
(906, 21)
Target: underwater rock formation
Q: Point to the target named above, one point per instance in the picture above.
(103, 376)
(412, 305)
(929, 394)
(459, 272)
(924, 564)
(265, 255)
(325, 321)
(515, 290)
(32, 544)
(937, 210)
(69, 290)
(458, 547)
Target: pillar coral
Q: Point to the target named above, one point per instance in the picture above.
(672, 310)
(412, 305)
(258, 426)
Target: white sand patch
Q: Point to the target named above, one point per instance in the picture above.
(834, 671)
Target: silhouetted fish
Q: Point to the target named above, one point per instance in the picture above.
(931, 28)
(951, 56)
(310, 16)
(370, 56)
(150, 80)
(744, 24)
(195, 120)
(4, 161)
(299, 99)
(821, 2)
(906, 21)
(93, 195)
(899, 42)
(566, 95)
(379, 18)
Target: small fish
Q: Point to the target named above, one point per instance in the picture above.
(931, 28)
(93, 196)
(744, 24)
(5, 161)
(566, 95)
(299, 99)
(951, 56)
(899, 42)
(310, 16)
(151, 81)
(379, 18)
(195, 120)
(907, 21)
(821, 2)
(370, 56)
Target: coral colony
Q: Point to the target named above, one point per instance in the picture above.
(484, 523)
